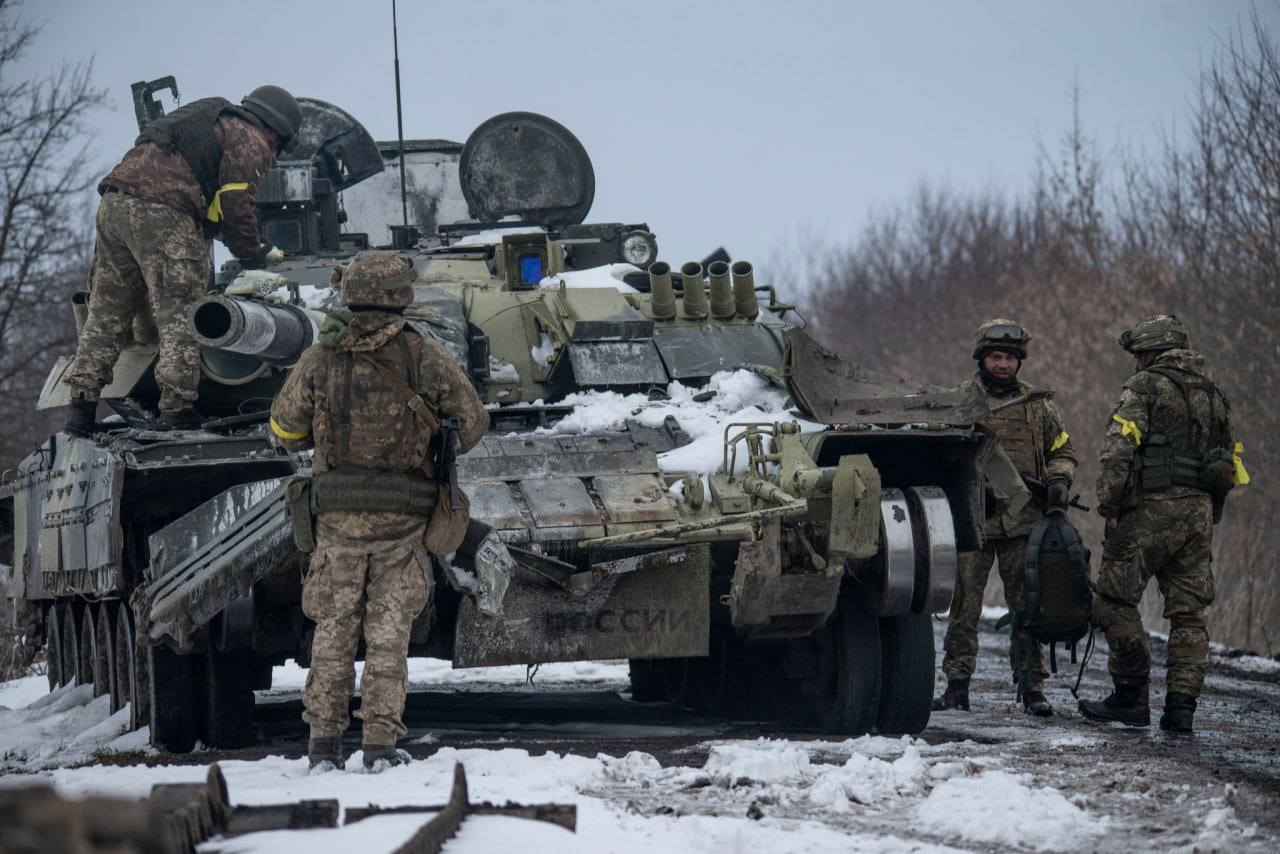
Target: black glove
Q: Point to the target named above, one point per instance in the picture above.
(1057, 496)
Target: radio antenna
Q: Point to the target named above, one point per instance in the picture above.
(395, 46)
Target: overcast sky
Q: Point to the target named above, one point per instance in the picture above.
(738, 123)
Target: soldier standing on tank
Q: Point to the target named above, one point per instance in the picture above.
(348, 398)
(1168, 461)
(190, 175)
(1033, 436)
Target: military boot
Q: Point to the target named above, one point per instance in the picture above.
(1036, 703)
(80, 421)
(1127, 704)
(181, 419)
(955, 697)
(325, 754)
(1179, 709)
(380, 757)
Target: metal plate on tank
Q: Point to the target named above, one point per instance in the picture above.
(635, 498)
(616, 363)
(658, 611)
(492, 503)
(700, 351)
(80, 539)
(559, 502)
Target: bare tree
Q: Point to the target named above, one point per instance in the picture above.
(45, 233)
(46, 242)
(1194, 230)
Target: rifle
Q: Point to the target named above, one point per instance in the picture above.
(1040, 490)
(446, 458)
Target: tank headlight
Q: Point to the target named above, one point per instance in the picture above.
(639, 248)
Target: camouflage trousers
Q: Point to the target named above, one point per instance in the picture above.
(370, 588)
(147, 257)
(960, 647)
(1171, 540)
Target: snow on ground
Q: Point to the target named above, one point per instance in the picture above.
(435, 673)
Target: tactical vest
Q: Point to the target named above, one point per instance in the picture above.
(188, 131)
(370, 427)
(1019, 433)
(1174, 449)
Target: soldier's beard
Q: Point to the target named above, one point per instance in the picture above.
(995, 383)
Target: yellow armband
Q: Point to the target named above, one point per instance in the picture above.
(285, 434)
(214, 214)
(1061, 440)
(1128, 428)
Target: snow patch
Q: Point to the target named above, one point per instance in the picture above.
(493, 236)
(997, 807)
(739, 397)
(606, 276)
(502, 372)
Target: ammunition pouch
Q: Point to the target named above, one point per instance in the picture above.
(353, 490)
(297, 503)
(1161, 467)
(1217, 474)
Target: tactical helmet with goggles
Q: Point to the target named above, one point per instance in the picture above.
(1151, 334)
(277, 109)
(1000, 334)
(375, 280)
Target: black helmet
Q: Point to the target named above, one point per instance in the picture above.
(278, 110)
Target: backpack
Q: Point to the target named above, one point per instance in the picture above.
(1058, 592)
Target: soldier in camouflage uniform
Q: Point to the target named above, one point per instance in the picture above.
(348, 398)
(1168, 460)
(190, 174)
(1033, 436)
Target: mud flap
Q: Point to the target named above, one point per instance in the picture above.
(661, 610)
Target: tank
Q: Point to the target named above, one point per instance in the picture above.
(795, 584)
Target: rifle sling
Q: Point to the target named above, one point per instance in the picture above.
(419, 406)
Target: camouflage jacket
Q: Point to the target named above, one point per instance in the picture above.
(1152, 404)
(1036, 440)
(150, 173)
(340, 405)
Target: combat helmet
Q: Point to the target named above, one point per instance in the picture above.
(278, 110)
(1158, 332)
(1001, 334)
(375, 280)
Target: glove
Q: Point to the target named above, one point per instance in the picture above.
(1057, 496)
(272, 255)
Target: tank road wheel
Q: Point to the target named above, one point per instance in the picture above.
(84, 650)
(906, 674)
(847, 696)
(646, 680)
(228, 706)
(70, 643)
(53, 646)
(104, 653)
(173, 699)
(126, 667)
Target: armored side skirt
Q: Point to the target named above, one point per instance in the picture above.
(659, 610)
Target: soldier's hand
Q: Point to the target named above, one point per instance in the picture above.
(273, 255)
(1057, 496)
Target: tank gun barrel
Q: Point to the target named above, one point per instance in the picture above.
(274, 332)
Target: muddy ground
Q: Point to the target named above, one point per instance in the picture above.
(1218, 789)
